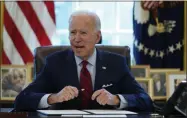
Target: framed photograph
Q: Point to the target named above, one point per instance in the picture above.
(141, 71)
(159, 82)
(172, 80)
(30, 70)
(13, 80)
(146, 84)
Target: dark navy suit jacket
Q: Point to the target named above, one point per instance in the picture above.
(60, 70)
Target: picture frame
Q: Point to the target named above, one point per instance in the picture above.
(146, 84)
(173, 79)
(140, 71)
(14, 78)
(185, 37)
(30, 71)
(159, 82)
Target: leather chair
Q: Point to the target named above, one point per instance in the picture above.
(42, 52)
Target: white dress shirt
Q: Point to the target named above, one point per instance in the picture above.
(91, 66)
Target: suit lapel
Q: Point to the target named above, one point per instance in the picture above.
(100, 71)
(72, 70)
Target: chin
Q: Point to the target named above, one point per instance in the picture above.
(80, 55)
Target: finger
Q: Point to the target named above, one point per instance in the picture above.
(71, 93)
(101, 98)
(65, 93)
(104, 101)
(65, 97)
(98, 100)
(68, 93)
(62, 99)
(96, 93)
(70, 96)
(65, 89)
(75, 90)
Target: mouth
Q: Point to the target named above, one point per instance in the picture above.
(79, 47)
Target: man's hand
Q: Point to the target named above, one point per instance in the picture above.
(66, 94)
(104, 97)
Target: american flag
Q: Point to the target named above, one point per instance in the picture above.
(27, 25)
(158, 41)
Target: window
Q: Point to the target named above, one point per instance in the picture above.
(116, 21)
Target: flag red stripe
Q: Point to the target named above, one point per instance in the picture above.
(34, 22)
(17, 39)
(50, 6)
(16, 33)
(5, 59)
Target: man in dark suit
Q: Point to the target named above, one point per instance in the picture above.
(84, 77)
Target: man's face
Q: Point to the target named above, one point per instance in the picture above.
(18, 78)
(83, 36)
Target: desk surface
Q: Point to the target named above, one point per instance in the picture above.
(38, 115)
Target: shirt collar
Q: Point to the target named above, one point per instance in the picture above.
(91, 60)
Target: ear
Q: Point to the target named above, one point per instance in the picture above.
(98, 37)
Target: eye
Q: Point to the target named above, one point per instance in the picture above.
(83, 32)
(72, 32)
(21, 76)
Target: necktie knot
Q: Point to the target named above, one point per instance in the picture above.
(84, 63)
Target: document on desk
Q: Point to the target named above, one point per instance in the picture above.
(105, 116)
(115, 112)
(62, 112)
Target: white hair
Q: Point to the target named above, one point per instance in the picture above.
(89, 13)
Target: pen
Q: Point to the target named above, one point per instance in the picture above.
(81, 89)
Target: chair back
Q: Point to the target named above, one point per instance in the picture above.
(42, 52)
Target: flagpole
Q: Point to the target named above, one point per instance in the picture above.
(1, 29)
(185, 35)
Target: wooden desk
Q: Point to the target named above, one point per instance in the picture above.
(6, 104)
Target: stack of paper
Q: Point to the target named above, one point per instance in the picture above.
(104, 116)
(87, 113)
(62, 112)
(110, 112)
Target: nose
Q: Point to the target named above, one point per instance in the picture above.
(77, 37)
(18, 80)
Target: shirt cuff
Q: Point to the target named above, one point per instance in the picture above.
(123, 102)
(43, 102)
